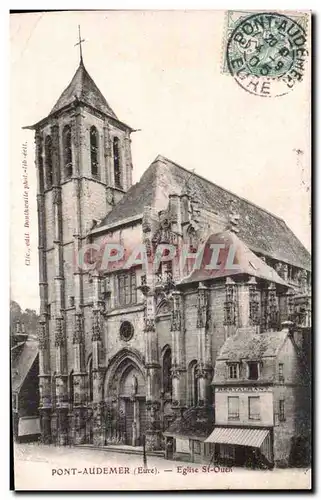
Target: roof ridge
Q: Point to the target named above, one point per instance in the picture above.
(161, 157)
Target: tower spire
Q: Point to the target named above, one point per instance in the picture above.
(79, 43)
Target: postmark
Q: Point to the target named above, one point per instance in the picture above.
(266, 53)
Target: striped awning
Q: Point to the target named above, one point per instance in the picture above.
(28, 426)
(237, 436)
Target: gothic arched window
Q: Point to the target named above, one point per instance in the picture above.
(94, 150)
(67, 152)
(40, 169)
(71, 388)
(116, 153)
(193, 383)
(167, 365)
(48, 161)
(90, 380)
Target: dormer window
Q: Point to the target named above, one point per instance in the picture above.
(253, 370)
(233, 371)
(94, 151)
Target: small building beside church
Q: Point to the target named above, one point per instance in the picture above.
(124, 352)
(25, 385)
(261, 400)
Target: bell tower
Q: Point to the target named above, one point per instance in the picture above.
(84, 167)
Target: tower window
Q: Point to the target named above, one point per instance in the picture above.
(40, 169)
(116, 152)
(94, 151)
(67, 152)
(48, 160)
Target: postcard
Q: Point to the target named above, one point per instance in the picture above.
(160, 308)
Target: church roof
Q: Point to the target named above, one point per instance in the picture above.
(83, 88)
(260, 230)
(247, 262)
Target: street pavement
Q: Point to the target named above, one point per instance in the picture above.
(43, 467)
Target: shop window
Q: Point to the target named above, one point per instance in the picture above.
(197, 447)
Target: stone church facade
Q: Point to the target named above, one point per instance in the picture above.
(124, 352)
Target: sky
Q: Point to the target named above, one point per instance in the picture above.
(161, 72)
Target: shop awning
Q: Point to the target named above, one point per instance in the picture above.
(237, 436)
(28, 426)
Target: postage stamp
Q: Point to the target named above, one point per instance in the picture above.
(160, 313)
(266, 52)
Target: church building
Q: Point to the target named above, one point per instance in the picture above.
(124, 353)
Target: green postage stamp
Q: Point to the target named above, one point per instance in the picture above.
(265, 51)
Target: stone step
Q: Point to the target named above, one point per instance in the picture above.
(129, 450)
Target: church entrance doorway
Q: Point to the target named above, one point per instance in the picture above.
(126, 408)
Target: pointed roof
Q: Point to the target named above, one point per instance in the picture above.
(83, 88)
(243, 261)
(260, 230)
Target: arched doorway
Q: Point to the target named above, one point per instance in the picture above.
(125, 399)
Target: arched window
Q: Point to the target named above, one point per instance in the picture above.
(67, 152)
(94, 151)
(53, 390)
(48, 160)
(116, 153)
(167, 365)
(193, 383)
(40, 168)
(71, 389)
(90, 381)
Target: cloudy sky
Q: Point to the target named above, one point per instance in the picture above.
(161, 73)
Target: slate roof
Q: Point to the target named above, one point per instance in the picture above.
(83, 87)
(244, 258)
(196, 422)
(252, 346)
(259, 229)
(23, 363)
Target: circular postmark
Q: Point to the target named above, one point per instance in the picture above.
(266, 54)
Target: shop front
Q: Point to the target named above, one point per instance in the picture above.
(243, 447)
